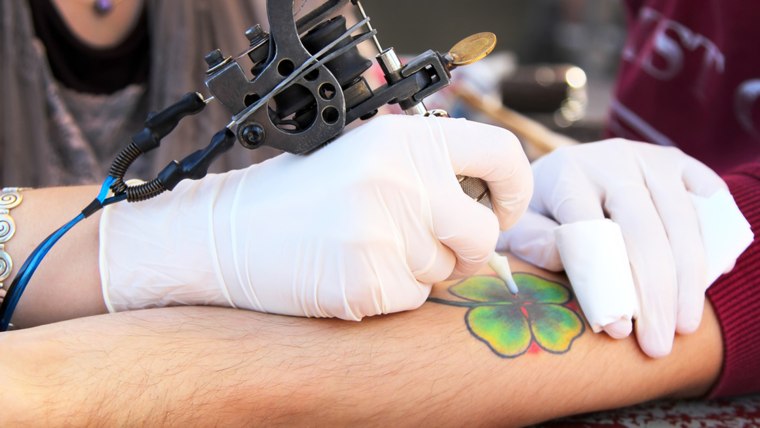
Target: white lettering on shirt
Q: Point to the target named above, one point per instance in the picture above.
(663, 59)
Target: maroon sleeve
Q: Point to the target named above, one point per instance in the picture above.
(736, 296)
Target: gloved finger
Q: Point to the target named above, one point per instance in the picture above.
(652, 264)
(700, 179)
(679, 218)
(532, 239)
(619, 329)
(567, 200)
(429, 260)
(468, 228)
(494, 155)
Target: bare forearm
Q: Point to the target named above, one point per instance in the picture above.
(212, 365)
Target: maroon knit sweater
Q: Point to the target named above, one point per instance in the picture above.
(736, 296)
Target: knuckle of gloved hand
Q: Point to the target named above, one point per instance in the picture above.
(419, 299)
(509, 150)
(564, 205)
(387, 120)
(370, 237)
(618, 142)
(373, 296)
(364, 299)
(689, 259)
(678, 156)
(468, 268)
(395, 130)
(558, 160)
(349, 297)
(382, 133)
(613, 145)
(471, 262)
(376, 172)
(506, 143)
(409, 299)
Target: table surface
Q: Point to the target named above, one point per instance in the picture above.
(735, 412)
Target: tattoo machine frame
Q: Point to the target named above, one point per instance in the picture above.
(307, 86)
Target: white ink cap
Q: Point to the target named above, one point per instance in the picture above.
(500, 265)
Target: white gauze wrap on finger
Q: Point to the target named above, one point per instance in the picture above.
(725, 232)
(593, 254)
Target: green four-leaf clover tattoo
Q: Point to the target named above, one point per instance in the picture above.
(510, 323)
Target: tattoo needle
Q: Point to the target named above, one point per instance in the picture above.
(500, 265)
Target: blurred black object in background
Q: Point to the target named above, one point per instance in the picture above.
(555, 89)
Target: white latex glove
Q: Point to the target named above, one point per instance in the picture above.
(360, 227)
(647, 190)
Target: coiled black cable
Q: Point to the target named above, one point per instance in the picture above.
(145, 191)
(121, 164)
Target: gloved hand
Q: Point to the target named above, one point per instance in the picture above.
(645, 189)
(360, 227)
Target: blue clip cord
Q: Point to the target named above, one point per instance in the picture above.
(32, 262)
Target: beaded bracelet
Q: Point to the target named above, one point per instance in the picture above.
(10, 197)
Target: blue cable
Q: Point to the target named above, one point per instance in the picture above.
(34, 260)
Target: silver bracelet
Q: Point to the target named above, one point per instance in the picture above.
(10, 197)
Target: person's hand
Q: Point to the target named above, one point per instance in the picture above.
(645, 189)
(360, 227)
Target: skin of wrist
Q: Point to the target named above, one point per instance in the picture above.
(67, 282)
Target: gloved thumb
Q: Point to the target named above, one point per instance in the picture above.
(532, 239)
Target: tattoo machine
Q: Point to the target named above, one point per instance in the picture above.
(307, 86)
